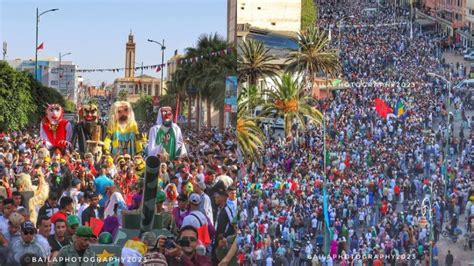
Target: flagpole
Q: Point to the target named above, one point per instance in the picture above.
(326, 226)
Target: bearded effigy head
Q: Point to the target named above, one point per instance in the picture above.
(90, 113)
(166, 116)
(54, 113)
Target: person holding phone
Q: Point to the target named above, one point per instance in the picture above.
(182, 251)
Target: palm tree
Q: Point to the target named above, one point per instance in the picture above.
(314, 56)
(208, 74)
(289, 101)
(250, 137)
(249, 98)
(254, 62)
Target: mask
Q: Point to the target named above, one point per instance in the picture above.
(167, 116)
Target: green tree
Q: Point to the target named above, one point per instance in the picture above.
(143, 109)
(16, 103)
(254, 62)
(290, 101)
(122, 95)
(249, 98)
(204, 79)
(42, 96)
(69, 106)
(314, 56)
(308, 14)
(250, 138)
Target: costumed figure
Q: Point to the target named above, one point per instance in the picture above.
(171, 192)
(122, 135)
(89, 132)
(33, 195)
(166, 136)
(55, 131)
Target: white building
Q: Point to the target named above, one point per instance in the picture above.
(62, 78)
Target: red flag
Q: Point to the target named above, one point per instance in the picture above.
(382, 108)
(347, 162)
(158, 69)
(96, 226)
(41, 46)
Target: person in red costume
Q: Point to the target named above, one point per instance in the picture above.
(55, 131)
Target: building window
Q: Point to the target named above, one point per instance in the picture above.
(123, 86)
(242, 8)
(54, 82)
(259, 8)
(273, 23)
(157, 90)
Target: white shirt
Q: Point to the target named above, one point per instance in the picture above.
(43, 242)
(3, 225)
(269, 261)
(116, 197)
(191, 219)
(206, 207)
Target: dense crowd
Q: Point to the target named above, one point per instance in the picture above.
(385, 179)
(52, 203)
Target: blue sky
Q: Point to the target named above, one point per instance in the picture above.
(95, 31)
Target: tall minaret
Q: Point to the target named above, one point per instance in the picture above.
(130, 57)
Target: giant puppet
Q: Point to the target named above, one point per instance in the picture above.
(55, 131)
(122, 135)
(89, 132)
(166, 136)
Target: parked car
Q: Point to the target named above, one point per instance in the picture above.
(469, 56)
(467, 51)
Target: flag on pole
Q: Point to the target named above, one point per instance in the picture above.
(158, 69)
(400, 108)
(41, 46)
(382, 107)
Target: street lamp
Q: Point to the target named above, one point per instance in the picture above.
(59, 68)
(449, 83)
(427, 207)
(163, 47)
(36, 47)
(340, 29)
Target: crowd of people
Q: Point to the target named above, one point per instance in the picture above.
(387, 195)
(52, 203)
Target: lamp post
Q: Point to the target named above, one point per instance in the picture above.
(427, 207)
(38, 15)
(340, 30)
(163, 47)
(445, 162)
(60, 68)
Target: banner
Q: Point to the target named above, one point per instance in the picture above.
(230, 94)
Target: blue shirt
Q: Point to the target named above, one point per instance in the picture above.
(101, 183)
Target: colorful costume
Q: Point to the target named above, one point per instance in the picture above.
(166, 136)
(122, 135)
(89, 132)
(55, 131)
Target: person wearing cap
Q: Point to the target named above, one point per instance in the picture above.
(181, 210)
(205, 206)
(196, 218)
(79, 248)
(224, 215)
(167, 219)
(14, 223)
(74, 191)
(154, 255)
(72, 223)
(27, 244)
